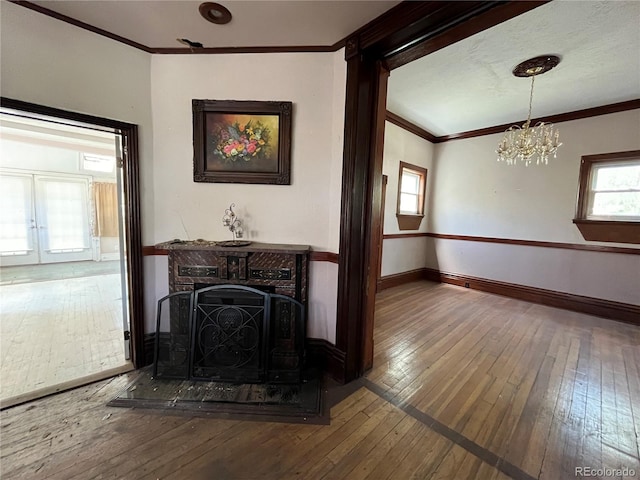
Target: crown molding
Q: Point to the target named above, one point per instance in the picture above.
(78, 23)
(562, 117)
(179, 51)
(410, 127)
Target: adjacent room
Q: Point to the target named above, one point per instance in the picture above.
(465, 280)
(62, 294)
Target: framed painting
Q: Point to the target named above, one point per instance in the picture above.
(241, 141)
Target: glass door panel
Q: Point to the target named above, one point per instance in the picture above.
(18, 242)
(63, 219)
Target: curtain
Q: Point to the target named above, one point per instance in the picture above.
(106, 201)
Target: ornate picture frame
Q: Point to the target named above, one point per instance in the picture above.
(242, 141)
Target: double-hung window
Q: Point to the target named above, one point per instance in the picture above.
(609, 197)
(412, 181)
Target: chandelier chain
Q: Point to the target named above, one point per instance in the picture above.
(533, 78)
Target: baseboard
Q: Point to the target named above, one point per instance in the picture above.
(325, 355)
(592, 306)
(389, 281)
(598, 307)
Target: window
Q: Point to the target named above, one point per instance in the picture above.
(412, 181)
(608, 207)
(97, 163)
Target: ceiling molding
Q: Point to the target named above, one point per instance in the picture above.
(225, 50)
(78, 23)
(410, 127)
(180, 51)
(562, 117)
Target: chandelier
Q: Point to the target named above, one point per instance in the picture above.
(526, 143)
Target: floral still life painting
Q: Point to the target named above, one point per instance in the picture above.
(251, 140)
(241, 141)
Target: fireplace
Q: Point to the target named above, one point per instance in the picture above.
(234, 315)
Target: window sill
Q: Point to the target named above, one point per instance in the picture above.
(409, 222)
(609, 230)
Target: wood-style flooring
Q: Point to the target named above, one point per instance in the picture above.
(54, 332)
(465, 385)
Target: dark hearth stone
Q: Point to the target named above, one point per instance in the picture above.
(298, 403)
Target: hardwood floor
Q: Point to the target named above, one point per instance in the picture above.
(55, 332)
(465, 385)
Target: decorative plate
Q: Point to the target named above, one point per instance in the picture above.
(234, 243)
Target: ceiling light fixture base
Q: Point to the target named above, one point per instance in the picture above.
(215, 13)
(536, 66)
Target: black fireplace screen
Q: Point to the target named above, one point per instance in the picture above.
(229, 333)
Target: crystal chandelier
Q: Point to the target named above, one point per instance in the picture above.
(526, 142)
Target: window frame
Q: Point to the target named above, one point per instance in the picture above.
(411, 221)
(609, 229)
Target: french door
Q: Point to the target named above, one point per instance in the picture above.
(44, 219)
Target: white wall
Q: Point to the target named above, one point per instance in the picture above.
(475, 195)
(51, 63)
(305, 212)
(404, 254)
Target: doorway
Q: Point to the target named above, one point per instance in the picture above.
(68, 253)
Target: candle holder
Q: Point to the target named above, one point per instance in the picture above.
(234, 224)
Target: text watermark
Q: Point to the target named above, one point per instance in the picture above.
(604, 472)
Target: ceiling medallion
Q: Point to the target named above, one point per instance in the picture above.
(526, 143)
(215, 13)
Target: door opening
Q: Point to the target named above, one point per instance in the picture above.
(68, 252)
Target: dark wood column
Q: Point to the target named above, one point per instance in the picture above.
(361, 197)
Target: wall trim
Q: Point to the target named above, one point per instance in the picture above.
(527, 243)
(562, 117)
(598, 307)
(389, 281)
(392, 236)
(149, 250)
(327, 356)
(331, 257)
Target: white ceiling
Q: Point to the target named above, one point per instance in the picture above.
(469, 85)
(465, 86)
(264, 23)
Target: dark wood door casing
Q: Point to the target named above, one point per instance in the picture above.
(131, 185)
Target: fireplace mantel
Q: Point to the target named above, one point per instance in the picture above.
(252, 247)
(280, 268)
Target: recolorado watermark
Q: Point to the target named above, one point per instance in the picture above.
(604, 472)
